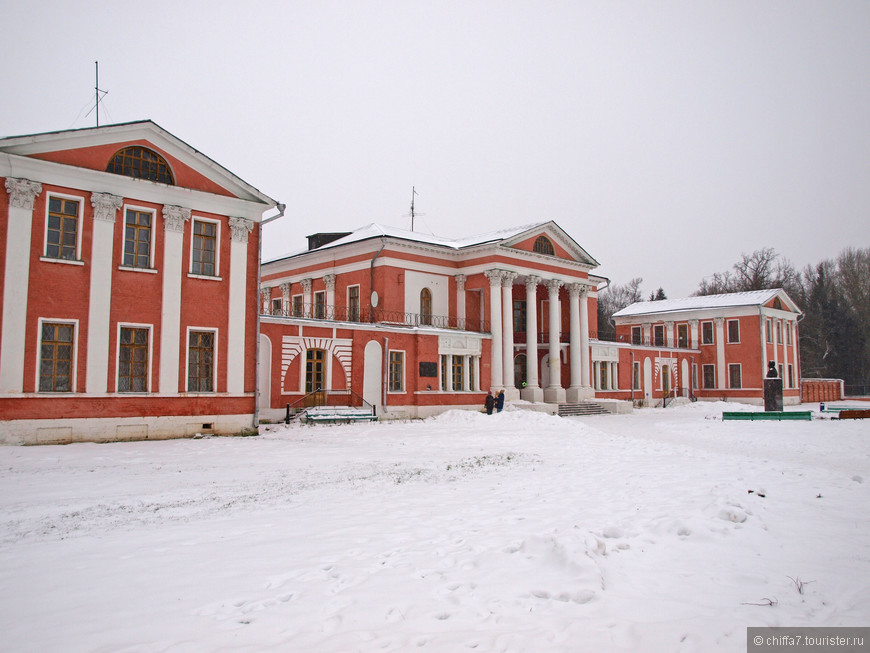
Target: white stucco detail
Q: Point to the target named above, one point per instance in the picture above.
(170, 319)
(437, 284)
(237, 314)
(292, 346)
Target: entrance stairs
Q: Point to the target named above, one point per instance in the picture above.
(582, 408)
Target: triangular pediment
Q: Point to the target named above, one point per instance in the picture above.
(94, 147)
(549, 235)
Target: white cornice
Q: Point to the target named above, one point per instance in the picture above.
(58, 174)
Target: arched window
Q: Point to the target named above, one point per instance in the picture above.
(544, 246)
(141, 163)
(425, 306)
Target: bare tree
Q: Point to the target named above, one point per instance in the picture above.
(760, 270)
(612, 299)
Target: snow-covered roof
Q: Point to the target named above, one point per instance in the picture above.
(374, 230)
(727, 300)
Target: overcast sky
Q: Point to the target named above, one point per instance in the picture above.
(666, 137)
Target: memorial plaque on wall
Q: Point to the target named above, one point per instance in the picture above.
(429, 369)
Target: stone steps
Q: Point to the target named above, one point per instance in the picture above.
(582, 408)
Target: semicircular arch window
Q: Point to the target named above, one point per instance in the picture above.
(544, 246)
(141, 163)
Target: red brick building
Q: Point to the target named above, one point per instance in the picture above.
(129, 285)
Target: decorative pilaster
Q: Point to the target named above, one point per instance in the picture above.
(174, 218)
(532, 391)
(106, 208)
(329, 281)
(266, 298)
(669, 334)
(240, 228)
(307, 298)
(554, 393)
(720, 353)
(285, 297)
(460, 300)
(22, 193)
(693, 331)
(496, 368)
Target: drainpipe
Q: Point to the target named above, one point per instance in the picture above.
(372, 278)
(280, 208)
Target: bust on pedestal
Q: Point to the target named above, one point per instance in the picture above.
(772, 389)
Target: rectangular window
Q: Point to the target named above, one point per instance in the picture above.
(297, 305)
(779, 332)
(636, 335)
(706, 333)
(353, 303)
(768, 330)
(137, 238)
(397, 371)
(62, 232)
(694, 377)
(659, 335)
(602, 372)
(277, 306)
(458, 372)
(445, 372)
(788, 333)
(733, 330)
(734, 377)
(709, 377)
(683, 336)
(780, 370)
(320, 305)
(133, 359)
(200, 361)
(205, 235)
(56, 357)
(635, 376)
(519, 316)
(791, 376)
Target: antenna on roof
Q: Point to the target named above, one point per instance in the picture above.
(414, 194)
(97, 91)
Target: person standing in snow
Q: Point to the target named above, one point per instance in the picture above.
(500, 402)
(489, 403)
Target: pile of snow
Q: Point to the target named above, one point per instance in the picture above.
(663, 530)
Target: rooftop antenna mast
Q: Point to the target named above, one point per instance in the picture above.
(97, 91)
(414, 194)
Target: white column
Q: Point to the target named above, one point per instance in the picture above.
(307, 297)
(460, 300)
(507, 308)
(614, 376)
(584, 344)
(573, 393)
(22, 193)
(532, 391)
(720, 353)
(693, 329)
(105, 210)
(285, 298)
(239, 230)
(646, 328)
(494, 277)
(174, 218)
(554, 393)
(669, 334)
(329, 309)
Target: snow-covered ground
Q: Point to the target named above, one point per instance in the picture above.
(664, 530)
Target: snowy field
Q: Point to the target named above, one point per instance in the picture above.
(664, 530)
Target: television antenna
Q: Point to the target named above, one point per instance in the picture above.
(414, 195)
(97, 91)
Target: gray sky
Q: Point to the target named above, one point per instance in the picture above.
(666, 137)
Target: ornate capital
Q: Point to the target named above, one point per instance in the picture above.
(460, 281)
(693, 323)
(174, 217)
(669, 325)
(285, 290)
(553, 285)
(22, 192)
(266, 295)
(240, 228)
(494, 277)
(306, 285)
(576, 290)
(329, 280)
(106, 206)
(720, 321)
(532, 283)
(507, 279)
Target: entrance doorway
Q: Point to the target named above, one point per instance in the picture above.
(315, 376)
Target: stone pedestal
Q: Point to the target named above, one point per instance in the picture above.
(772, 390)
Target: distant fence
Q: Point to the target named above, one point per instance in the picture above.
(813, 390)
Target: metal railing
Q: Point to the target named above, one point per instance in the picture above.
(343, 398)
(376, 315)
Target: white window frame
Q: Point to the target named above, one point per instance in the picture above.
(141, 209)
(301, 305)
(214, 371)
(404, 372)
(217, 253)
(359, 302)
(133, 325)
(694, 376)
(728, 332)
(80, 228)
(314, 296)
(739, 367)
(712, 332)
(713, 367)
(639, 331)
(75, 352)
(636, 379)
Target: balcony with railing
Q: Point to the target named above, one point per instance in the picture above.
(362, 315)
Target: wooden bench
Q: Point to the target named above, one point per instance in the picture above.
(769, 415)
(338, 414)
(848, 413)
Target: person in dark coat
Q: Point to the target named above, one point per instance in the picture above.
(489, 403)
(499, 404)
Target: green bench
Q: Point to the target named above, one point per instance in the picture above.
(338, 414)
(805, 415)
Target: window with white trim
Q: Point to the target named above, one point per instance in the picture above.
(733, 331)
(709, 372)
(707, 333)
(205, 248)
(56, 356)
(353, 313)
(735, 376)
(397, 371)
(133, 358)
(201, 348)
(138, 236)
(62, 228)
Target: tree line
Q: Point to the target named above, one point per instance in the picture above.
(834, 295)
